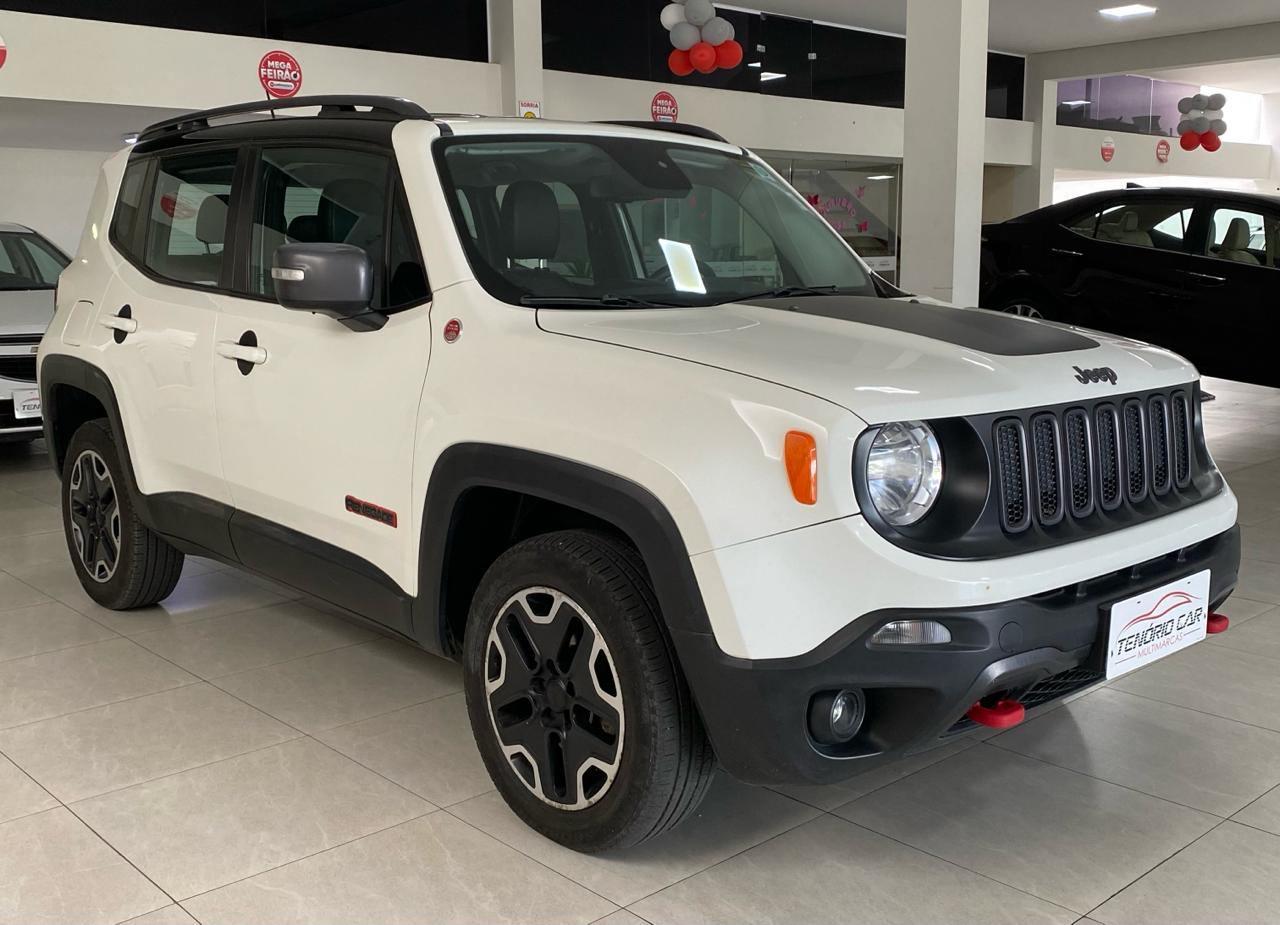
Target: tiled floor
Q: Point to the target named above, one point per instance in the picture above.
(240, 755)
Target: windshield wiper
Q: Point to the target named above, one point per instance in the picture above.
(787, 292)
(604, 301)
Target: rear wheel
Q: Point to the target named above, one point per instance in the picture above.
(582, 716)
(121, 563)
(1024, 307)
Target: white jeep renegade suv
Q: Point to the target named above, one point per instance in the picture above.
(611, 415)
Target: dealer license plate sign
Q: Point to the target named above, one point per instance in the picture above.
(26, 403)
(1157, 623)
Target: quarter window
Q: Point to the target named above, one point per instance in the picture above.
(124, 224)
(188, 217)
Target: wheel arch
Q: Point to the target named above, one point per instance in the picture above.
(477, 483)
(73, 391)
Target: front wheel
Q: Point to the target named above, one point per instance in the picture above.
(581, 714)
(1025, 307)
(121, 563)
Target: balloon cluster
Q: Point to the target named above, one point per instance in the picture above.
(1202, 123)
(702, 40)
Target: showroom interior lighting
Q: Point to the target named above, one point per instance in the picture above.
(1128, 11)
(881, 176)
(770, 75)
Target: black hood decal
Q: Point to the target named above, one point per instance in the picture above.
(985, 331)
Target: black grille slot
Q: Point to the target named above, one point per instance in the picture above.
(1048, 468)
(22, 368)
(1011, 461)
(1079, 482)
(1181, 439)
(1158, 425)
(1108, 435)
(1135, 451)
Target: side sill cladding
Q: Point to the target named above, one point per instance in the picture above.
(619, 502)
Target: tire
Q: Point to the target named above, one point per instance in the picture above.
(99, 519)
(634, 759)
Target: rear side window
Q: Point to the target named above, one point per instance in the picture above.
(1159, 224)
(187, 217)
(124, 224)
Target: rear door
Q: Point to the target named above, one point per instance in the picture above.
(317, 438)
(1237, 291)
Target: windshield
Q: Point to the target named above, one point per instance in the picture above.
(631, 223)
(28, 261)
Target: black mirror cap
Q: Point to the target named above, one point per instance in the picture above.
(328, 279)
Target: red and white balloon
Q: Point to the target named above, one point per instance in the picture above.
(1202, 125)
(701, 41)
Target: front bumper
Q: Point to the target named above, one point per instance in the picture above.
(15, 428)
(1039, 648)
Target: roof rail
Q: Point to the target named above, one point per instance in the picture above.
(677, 128)
(379, 106)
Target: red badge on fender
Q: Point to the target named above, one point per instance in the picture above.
(452, 330)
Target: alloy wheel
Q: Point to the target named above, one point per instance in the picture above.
(554, 698)
(95, 516)
(1022, 310)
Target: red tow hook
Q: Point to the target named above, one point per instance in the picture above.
(1003, 714)
(1218, 623)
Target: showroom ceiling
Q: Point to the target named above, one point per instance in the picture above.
(1027, 26)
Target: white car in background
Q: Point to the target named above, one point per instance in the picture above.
(29, 270)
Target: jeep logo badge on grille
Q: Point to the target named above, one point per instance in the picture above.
(1101, 374)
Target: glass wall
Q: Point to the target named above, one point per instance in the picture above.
(858, 198)
(1122, 103)
(785, 56)
(438, 28)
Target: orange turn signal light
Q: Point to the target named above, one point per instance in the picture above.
(800, 452)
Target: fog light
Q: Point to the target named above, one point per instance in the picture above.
(911, 633)
(836, 716)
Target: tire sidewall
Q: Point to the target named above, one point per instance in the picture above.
(95, 436)
(606, 821)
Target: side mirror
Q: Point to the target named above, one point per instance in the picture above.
(328, 279)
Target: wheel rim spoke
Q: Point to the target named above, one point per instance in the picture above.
(554, 699)
(94, 511)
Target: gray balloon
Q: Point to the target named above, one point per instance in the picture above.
(1218, 126)
(1184, 126)
(1200, 125)
(699, 12)
(1199, 101)
(1185, 105)
(717, 30)
(1217, 101)
(685, 35)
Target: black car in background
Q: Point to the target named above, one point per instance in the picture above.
(1197, 271)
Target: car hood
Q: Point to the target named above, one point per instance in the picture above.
(25, 311)
(888, 359)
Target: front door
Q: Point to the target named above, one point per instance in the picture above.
(317, 436)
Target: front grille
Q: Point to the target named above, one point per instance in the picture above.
(21, 368)
(1083, 459)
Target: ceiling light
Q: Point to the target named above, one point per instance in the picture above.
(1077, 102)
(881, 176)
(129, 138)
(771, 75)
(756, 64)
(1128, 11)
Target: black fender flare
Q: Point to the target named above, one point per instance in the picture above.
(628, 506)
(59, 369)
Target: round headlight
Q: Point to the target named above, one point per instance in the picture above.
(904, 471)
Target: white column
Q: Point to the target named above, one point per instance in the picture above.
(1033, 185)
(943, 148)
(515, 42)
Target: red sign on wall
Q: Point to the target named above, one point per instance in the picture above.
(664, 107)
(4, 52)
(280, 74)
(1162, 150)
(1108, 149)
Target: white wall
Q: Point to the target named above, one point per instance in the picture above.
(59, 58)
(48, 190)
(1135, 155)
(767, 122)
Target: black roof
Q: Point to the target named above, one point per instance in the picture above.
(1138, 193)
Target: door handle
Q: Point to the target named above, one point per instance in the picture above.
(121, 324)
(241, 353)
